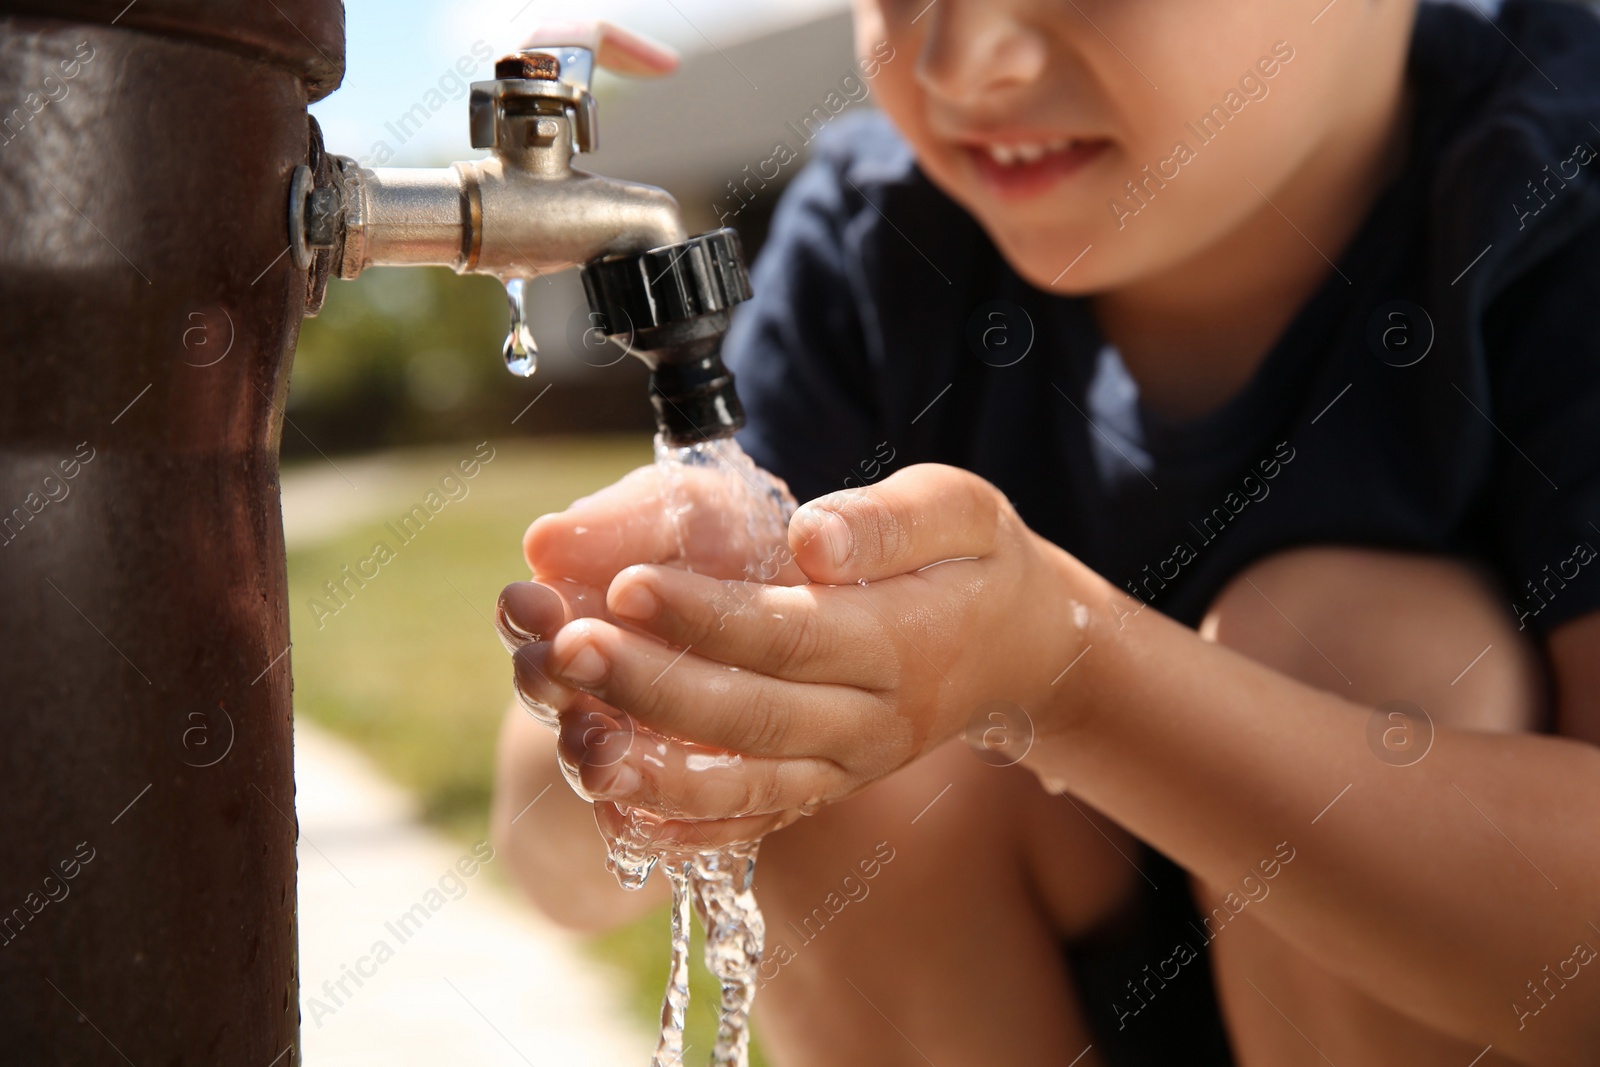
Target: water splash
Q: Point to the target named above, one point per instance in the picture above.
(629, 855)
(521, 351)
(740, 513)
(735, 936)
(669, 1048)
(735, 518)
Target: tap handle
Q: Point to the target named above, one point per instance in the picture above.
(557, 61)
(588, 44)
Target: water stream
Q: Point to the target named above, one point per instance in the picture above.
(726, 513)
(730, 519)
(675, 1004)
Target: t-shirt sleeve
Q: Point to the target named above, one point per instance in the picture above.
(1544, 348)
(797, 348)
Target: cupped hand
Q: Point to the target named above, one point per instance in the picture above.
(927, 597)
(688, 518)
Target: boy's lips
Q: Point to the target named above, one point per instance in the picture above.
(1015, 170)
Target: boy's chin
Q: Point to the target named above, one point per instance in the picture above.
(1066, 262)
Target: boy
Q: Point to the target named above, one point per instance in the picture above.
(1236, 366)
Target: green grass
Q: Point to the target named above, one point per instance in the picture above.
(410, 670)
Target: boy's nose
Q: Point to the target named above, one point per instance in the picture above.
(974, 47)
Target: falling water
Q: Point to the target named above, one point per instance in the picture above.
(735, 523)
(521, 352)
(744, 512)
(735, 934)
(669, 1047)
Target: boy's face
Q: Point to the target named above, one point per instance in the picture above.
(1035, 115)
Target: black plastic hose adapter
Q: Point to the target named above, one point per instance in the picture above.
(670, 306)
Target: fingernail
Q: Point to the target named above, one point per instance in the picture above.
(624, 782)
(592, 724)
(528, 662)
(637, 602)
(585, 668)
(830, 528)
(525, 611)
(512, 635)
(599, 740)
(534, 686)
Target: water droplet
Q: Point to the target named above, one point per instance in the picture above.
(521, 351)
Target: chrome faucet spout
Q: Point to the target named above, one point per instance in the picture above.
(523, 211)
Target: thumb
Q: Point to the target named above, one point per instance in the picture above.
(916, 517)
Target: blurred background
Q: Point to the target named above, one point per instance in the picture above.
(400, 683)
(399, 357)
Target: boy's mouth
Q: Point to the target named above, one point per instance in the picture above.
(1016, 170)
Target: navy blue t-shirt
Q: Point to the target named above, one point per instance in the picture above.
(1440, 392)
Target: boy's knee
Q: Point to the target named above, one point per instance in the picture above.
(1375, 625)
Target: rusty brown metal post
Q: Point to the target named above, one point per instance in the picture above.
(148, 313)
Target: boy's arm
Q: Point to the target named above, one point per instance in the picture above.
(1216, 760)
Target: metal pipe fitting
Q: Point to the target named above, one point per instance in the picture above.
(526, 211)
(521, 212)
(490, 217)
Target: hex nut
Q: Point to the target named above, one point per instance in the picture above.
(537, 66)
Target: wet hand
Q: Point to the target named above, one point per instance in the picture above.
(574, 555)
(786, 697)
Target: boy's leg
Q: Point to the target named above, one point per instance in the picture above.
(1399, 627)
(922, 920)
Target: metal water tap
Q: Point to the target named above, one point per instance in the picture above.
(525, 211)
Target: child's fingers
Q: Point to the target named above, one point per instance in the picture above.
(643, 519)
(600, 534)
(528, 611)
(786, 632)
(538, 691)
(688, 836)
(614, 759)
(687, 696)
(913, 518)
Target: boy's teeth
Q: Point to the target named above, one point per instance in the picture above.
(1026, 152)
